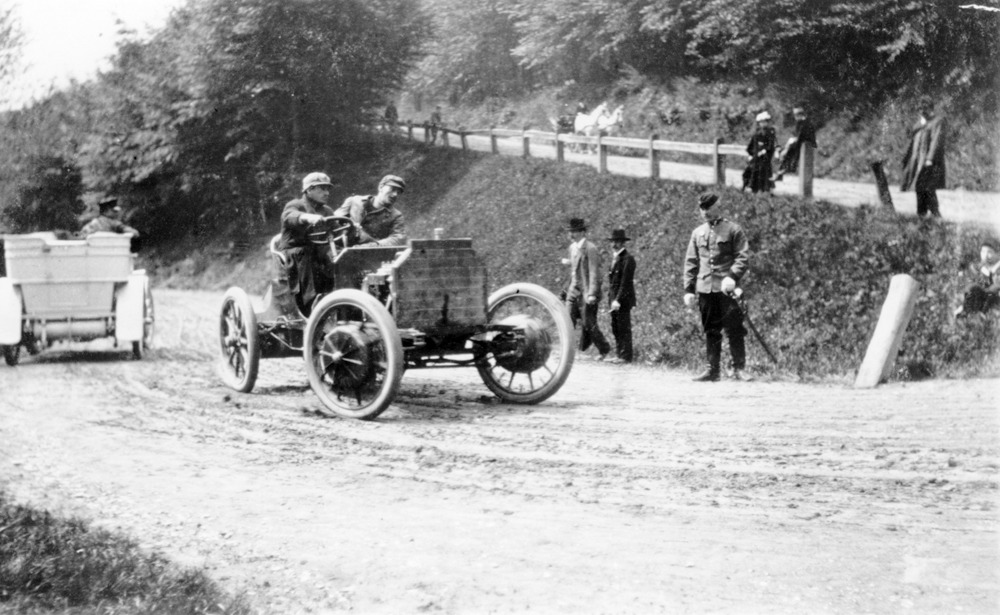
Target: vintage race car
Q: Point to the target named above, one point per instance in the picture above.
(72, 290)
(421, 305)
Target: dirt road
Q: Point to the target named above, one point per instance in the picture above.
(633, 490)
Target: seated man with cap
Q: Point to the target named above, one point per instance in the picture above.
(378, 221)
(310, 272)
(108, 220)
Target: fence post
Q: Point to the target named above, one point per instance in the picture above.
(465, 142)
(889, 330)
(883, 186)
(806, 169)
(493, 142)
(719, 164)
(444, 136)
(409, 130)
(654, 159)
(602, 155)
(525, 144)
(560, 149)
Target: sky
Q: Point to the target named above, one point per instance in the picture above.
(73, 39)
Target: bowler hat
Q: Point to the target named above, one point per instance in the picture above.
(707, 200)
(315, 179)
(394, 181)
(577, 225)
(618, 235)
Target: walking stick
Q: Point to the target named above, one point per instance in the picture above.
(737, 295)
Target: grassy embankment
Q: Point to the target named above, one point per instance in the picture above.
(50, 564)
(819, 272)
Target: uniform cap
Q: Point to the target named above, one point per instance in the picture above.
(393, 180)
(315, 179)
(763, 115)
(708, 199)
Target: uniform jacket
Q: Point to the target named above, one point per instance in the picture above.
(585, 267)
(293, 229)
(926, 144)
(104, 224)
(716, 250)
(384, 225)
(620, 280)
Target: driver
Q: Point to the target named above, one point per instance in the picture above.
(378, 221)
(310, 271)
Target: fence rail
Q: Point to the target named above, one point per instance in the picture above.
(598, 146)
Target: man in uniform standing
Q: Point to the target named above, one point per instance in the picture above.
(584, 292)
(717, 258)
(621, 296)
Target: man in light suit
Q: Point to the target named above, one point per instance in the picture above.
(621, 296)
(584, 292)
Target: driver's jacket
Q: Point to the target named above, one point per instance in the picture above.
(294, 230)
(382, 226)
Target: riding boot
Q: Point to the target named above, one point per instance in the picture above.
(713, 347)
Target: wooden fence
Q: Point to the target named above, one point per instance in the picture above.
(715, 152)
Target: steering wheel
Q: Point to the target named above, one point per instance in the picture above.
(337, 230)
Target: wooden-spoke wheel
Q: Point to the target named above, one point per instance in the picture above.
(353, 354)
(238, 341)
(531, 351)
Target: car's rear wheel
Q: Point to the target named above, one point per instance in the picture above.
(353, 355)
(531, 350)
(139, 346)
(238, 341)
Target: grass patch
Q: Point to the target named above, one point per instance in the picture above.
(49, 564)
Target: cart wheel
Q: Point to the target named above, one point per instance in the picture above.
(139, 346)
(238, 341)
(11, 354)
(531, 353)
(353, 353)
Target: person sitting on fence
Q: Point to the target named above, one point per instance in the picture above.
(805, 132)
(108, 220)
(985, 295)
(391, 116)
(760, 150)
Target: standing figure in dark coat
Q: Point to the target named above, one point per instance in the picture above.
(805, 132)
(310, 271)
(923, 163)
(621, 296)
(760, 150)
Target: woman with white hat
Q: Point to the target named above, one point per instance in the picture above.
(760, 150)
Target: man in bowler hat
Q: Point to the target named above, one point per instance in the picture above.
(621, 296)
(108, 220)
(584, 291)
(717, 258)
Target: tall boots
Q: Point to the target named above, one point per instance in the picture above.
(713, 348)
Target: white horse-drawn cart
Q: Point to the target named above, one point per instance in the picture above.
(72, 290)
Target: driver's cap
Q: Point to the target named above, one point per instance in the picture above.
(315, 179)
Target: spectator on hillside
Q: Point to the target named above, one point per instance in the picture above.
(923, 163)
(984, 295)
(108, 220)
(391, 117)
(310, 270)
(378, 221)
(717, 258)
(805, 132)
(583, 294)
(434, 124)
(621, 296)
(760, 150)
